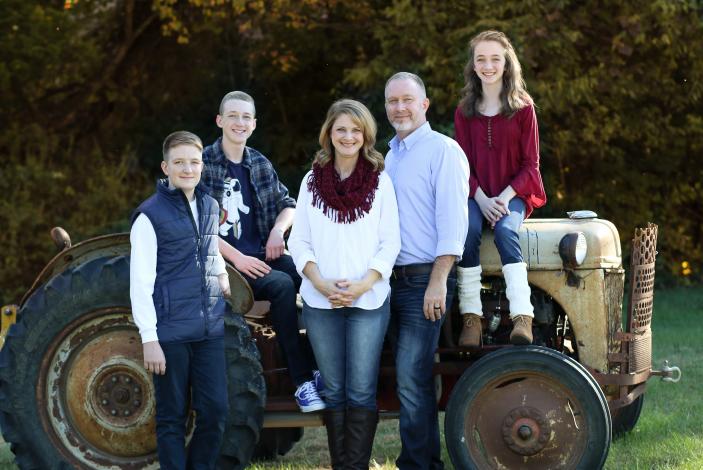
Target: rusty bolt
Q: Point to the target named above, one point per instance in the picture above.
(525, 432)
(104, 402)
(136, 403)
(114, 379)
(125, 412)
(113, 412)
(136, 390)
(127, 379)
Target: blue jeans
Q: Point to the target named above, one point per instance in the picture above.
(280, 287)
(347, 343)
(507, 238)
(197, 371)
(414, 340)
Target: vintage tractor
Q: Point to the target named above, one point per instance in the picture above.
(74, 394)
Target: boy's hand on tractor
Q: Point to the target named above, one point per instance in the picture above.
(154, 359)
(223, 280)
(250, 266)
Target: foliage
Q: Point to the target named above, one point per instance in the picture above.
(92, 89)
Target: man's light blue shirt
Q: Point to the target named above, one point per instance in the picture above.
(430, 174)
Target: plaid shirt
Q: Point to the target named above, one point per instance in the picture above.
(271, 196)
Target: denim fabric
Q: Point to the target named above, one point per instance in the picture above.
(414, 340)
(271, 195)
(280, 287)
(197, 368)
(347, 343)
(506, 237)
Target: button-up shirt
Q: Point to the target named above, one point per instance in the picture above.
(430, 175)
(270, 195)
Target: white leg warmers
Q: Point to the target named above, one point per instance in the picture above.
(469, 283)
(517, 289)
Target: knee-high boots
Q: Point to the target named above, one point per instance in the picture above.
(350, 435)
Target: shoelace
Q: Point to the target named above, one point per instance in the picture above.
(306, 390)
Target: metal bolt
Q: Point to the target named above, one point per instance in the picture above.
(125, 412)
(7, 311)
(136, 390)
(525, 432)
(114, 379)
(104, 402)
(127, 380)
(113, 412)
(136, 403)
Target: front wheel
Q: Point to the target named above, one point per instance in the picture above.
(529, 408)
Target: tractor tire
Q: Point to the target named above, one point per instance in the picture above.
(527, 407)
(625, 418)
(73, 389)
(275, 442)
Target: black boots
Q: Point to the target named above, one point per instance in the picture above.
(334, 422)
(358, 439)
(350, 437)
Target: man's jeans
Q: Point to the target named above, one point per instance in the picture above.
(280, 287)
(347, 343)
(196, 368)
(506, 234)
(414, 340)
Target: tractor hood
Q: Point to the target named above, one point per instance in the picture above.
(539, 241)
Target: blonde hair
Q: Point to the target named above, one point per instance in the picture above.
(361, 117)
(180, 138)
(513, 95)
(237, 95)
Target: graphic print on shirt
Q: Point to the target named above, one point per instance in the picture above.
(232, 204)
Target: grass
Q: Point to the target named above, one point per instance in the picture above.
(669, 434)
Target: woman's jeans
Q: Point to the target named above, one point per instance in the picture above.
(347, 343)
(507, 238)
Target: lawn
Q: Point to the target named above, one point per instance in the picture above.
(669, 434)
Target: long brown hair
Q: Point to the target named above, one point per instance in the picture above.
(513, 94)
(362, 117)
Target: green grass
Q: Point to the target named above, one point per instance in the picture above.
(669, 434)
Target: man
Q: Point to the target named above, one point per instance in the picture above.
(430, 174)
(255, 212)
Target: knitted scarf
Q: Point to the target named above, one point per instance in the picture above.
(343, 201)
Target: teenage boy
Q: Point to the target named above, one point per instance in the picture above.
(256, 211)
(177, 280)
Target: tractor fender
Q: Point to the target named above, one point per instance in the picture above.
(117, 244)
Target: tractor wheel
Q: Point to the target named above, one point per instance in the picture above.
(625, 418)
(275, 442)
(527, 407)
(73, 389)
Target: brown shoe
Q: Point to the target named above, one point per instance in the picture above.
(471, 331)
(522, 330)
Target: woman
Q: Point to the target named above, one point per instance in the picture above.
(344, 242)
(496, 125)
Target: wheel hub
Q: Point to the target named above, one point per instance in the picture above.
(526, 430)
(117, 396)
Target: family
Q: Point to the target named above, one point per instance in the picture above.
(378, 247)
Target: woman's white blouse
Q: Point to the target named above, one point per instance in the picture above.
(347, 251)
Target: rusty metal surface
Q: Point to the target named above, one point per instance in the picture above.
(526, 420)
(8, 317)
(108, 245)
(95, 398)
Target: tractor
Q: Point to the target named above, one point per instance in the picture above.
(74, 392)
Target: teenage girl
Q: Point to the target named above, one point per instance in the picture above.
(496, 125)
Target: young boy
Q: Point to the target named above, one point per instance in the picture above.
(256, 212)
(177, 279)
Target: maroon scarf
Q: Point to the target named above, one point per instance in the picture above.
(343, 201)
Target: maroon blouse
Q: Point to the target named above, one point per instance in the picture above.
(503, 151)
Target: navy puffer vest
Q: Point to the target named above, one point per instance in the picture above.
(187, 295)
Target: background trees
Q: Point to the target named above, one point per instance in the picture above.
(90, 88)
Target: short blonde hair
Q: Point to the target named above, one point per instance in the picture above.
(361, 116)
(181, 138)
(237, 95)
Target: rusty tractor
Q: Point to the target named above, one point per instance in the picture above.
(74, 394)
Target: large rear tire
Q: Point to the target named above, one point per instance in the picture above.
(73, 390)
(530, 408)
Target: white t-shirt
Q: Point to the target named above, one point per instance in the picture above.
(347, 251)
